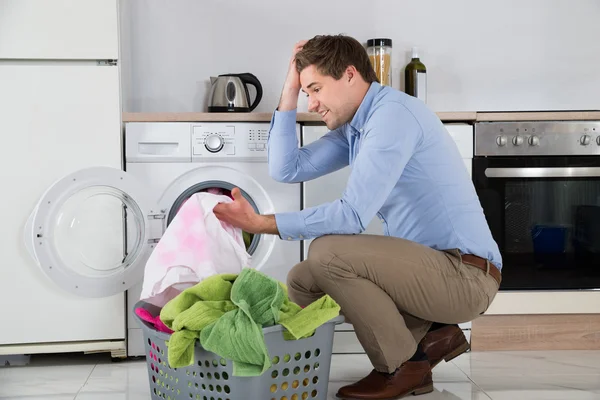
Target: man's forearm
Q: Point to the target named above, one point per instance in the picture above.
(289, 99)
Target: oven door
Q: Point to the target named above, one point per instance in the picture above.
(544, 213)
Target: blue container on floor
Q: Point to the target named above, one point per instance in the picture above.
(549, 239)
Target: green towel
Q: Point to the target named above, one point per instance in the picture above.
(191, 311)
(227, 313)
(248, 237)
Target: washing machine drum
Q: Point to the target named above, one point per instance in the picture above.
(222, 188)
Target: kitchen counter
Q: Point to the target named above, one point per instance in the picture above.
(256, 117)
(538, 116)
(461, 116)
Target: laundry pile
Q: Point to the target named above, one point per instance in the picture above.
(199, 274)
(227, 313)
(195, 245)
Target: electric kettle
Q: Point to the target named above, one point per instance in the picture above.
(229, 93)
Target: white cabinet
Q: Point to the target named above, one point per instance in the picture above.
(55, 120)
(60, 113)
(462, 134)
(59, 29)
(330, 187)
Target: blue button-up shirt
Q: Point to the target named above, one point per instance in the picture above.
(406, 169)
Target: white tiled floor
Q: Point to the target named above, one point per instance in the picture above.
(568, 375)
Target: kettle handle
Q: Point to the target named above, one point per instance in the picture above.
(248, 78)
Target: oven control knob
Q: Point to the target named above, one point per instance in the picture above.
(214, 143)
(598, 140)
(501, 140)
(517, 140)
(585, 140)
(534, 140)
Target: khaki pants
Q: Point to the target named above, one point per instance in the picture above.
(391, 290)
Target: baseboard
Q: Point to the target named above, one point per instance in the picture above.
(135, 342)
(115, 347)
(346, 342)
(536, 332)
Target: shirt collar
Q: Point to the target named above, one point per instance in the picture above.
(360, 117)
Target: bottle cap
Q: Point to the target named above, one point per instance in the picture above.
(415, 52)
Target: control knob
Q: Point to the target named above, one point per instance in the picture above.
(598, 140)
(534, 140)
(214, 143)
(585, 140)
(517, 140)
(501, 140)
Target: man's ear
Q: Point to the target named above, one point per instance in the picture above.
(350, 74)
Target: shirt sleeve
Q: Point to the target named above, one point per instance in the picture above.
(388, 141)
(290, 164)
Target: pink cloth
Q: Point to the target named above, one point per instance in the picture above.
(220, 191)
(215, 191)
(196, 245)
(155, 321)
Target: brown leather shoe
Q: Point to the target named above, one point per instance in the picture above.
(445, 343)
(413, 377)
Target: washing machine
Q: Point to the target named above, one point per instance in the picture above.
(174, 160)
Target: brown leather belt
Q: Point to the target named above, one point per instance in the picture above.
(482, 264)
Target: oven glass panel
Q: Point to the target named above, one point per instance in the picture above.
(546, 225)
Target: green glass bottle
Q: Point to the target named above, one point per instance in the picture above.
(415, 76)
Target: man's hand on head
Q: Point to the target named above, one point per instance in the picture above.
(292, 86)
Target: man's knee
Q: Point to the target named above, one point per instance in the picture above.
(301, 284)
(326, 252)
(298, 275)
(323, 249)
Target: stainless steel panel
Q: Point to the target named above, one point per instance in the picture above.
(552, 138)
(542, 172)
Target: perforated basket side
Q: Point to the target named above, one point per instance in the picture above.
(300, 368)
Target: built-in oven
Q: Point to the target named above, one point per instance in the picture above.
(539, 186)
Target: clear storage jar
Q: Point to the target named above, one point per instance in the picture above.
(380, 54)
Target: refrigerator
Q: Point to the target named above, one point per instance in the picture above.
(60, 112)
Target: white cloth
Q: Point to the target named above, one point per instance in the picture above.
(195, 245)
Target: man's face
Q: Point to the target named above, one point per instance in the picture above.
(331, 98)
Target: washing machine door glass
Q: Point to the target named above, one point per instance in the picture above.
(92, 232)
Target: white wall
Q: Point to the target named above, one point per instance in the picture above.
(480, 55)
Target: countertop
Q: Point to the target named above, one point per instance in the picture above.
(461, 116)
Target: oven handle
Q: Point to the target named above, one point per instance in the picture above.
(554, 172)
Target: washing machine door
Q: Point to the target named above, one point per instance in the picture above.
(93, 230)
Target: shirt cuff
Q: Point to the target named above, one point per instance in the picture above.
(291, 226)
(284, 121)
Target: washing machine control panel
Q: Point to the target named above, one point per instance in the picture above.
(257, 138)
(247, 140)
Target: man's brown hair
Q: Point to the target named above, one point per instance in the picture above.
(332, 54)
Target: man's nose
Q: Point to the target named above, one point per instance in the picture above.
(313, 105)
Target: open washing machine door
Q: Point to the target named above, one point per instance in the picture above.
(93, 231)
